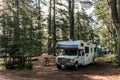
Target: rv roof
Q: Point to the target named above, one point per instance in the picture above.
(68, 44)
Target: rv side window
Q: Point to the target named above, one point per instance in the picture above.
(91, 50)
(86, 49)
(79, 53)
(94, 49)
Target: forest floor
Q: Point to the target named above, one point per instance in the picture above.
(101, 70)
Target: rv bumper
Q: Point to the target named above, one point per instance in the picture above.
(63, 65)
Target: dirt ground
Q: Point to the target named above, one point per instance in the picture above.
(98, 71)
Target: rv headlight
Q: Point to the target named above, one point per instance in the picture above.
(70, 60)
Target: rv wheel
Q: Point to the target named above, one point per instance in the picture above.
(93, 61)
(59, 67)
(76, 66)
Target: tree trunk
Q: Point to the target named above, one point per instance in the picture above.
(49, 28)
(39, 25)
(115, 18)
(72, 23)
(71, 19)
(16, 30)
(54, 28)
(118, 30)
(118, 45)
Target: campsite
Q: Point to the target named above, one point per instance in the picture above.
(99, 71)
(59, 39)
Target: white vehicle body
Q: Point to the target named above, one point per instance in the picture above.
(75, 53)
(104, 50)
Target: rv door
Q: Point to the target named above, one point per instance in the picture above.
(79, 57)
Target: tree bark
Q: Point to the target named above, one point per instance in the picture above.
(115, 18)
(49, 28)
(54, 28)
(39, 25)
(118, 45)
(16, 26)
(71, 19)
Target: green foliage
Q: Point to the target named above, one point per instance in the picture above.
(24, 24)
(83, 28)
(18, 28)
(111, 58)
(9, 65)
(106, 30)
(18, 65)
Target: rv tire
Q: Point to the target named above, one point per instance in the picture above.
(76, 66)
(59, 67)
(93, 61)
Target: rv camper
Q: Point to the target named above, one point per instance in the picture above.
(104, 50)
(75, 53)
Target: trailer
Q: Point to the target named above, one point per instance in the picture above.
(104, 50)
(75, 53)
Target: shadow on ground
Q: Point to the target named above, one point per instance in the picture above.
(97, 71)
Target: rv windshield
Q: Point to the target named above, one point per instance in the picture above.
(70, 52)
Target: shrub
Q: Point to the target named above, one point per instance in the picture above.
(111, 58)
(9, 65)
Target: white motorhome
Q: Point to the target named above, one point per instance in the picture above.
(104, 50)
(75, 53)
